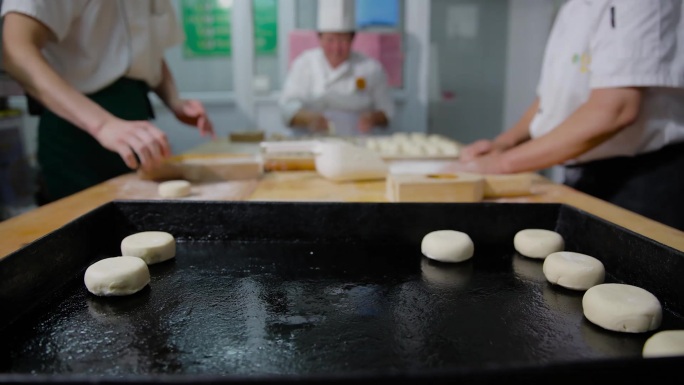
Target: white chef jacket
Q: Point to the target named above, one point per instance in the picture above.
(313, 85)
(100, 41)
(616, 43)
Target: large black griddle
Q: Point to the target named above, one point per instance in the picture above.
(330, 292)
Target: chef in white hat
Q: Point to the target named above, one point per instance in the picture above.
(331, 89)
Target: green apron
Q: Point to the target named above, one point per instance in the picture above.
(72, 160)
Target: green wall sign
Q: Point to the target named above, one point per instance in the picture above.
(265, 27)
(207, 25)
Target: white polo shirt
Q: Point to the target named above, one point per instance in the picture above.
(616, 43)
(100, 41)
(357, 85)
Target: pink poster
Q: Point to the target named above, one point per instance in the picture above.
(385, 47)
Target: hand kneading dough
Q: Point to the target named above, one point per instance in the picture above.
(152, 246)
(117, 276)
(447, 246)
(573, 270)
(668, 343)
(622, 308)
(174, 189)
(537, 243)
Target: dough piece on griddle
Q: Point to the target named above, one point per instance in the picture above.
(538, 243)
(152, 246)
(117, 276)
(572, 270)
(668, 343)
(447, 246)
(622, 308)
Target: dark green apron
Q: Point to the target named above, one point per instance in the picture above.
(72, 160)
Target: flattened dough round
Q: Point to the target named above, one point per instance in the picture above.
(538, 243)
(574, 271)
(117, 276)
(447, 246)
(152, 246)
(668, 343)
(174, 189)
(622, 308)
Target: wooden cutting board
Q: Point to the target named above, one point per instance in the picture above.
(456, 187)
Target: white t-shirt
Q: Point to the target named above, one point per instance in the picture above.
(100, 41)
(616, 43)
(359, 84)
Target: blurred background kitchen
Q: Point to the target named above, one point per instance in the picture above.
(464, 69)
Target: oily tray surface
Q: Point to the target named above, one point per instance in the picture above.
(324, 291)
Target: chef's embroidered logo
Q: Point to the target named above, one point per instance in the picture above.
(583, 60)
(360, 83)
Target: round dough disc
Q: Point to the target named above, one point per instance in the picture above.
(152, 246)
(447, 246)
(117, 276)
(174, 189)
(622, 308)
(538, 243)
(667, 343)
(572, 270)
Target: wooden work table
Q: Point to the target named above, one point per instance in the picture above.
(293, 186)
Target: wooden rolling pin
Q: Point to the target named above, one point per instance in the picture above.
(207, 167)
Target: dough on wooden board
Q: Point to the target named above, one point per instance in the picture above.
(622, 308)
(572, 270)
(151, 246)
(174, 189)
(447, 246)
(342, 162)
(117, 276)
(538, 243)
(667, 343)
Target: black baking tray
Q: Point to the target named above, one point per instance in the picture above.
(327, 292)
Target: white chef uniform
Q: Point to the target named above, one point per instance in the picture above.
(622, 43)
(616, 43)
(130, 36)
(341, 94)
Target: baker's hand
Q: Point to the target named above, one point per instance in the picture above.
(486, 164)
(476, 149)
(483, 147)
(192, 112)
(366, 122)
(318, 123)
(139, 143)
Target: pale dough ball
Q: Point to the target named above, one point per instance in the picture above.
(622, 308)
(151, 246)
(538, 243)
(447, 246)
(174, 189)
(430, 149)
(117, 276)
(572, 270)
(373, 144)
(667, 343)
(411, 149)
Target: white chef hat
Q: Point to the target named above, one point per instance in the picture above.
(336, 16)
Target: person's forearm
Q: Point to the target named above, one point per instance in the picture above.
(520, 132)
(23, 60)
(167, 90)
(590, 125)
(302, 118)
